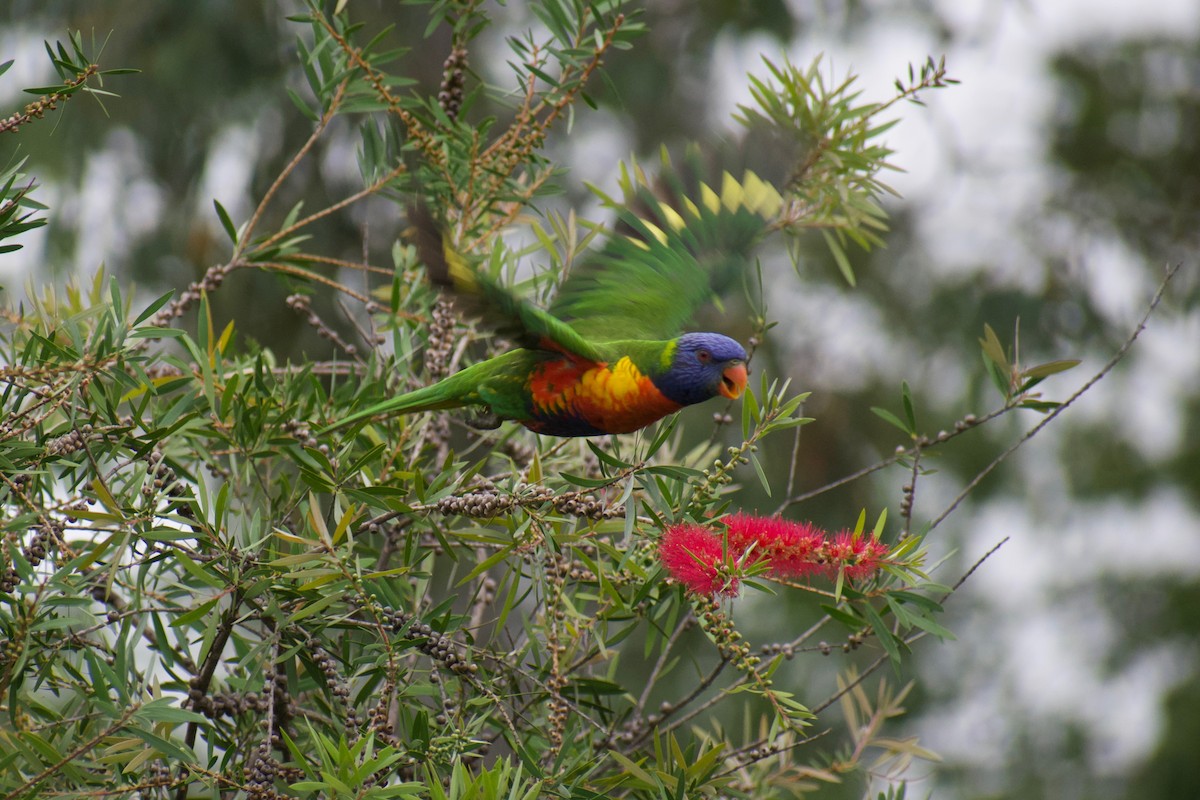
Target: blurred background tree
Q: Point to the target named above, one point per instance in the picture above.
(1052, 188)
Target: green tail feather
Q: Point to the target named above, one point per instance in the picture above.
(497, 383)
(456, 391)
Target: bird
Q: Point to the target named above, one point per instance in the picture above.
(608, 355)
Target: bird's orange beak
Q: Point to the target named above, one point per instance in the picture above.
(733, 381)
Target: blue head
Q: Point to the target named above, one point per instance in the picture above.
(704, 366)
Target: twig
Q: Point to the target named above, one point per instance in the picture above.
(1112, 362)
(685, 624)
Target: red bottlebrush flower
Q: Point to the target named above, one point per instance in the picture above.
(694, 556)
(703, 560)
(791, 548)
(798, 550)
(858, 557)
(746, 531)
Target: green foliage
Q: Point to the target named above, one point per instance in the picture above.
(206, 589)
(18, 210)
(838, 157)
(1013, 381)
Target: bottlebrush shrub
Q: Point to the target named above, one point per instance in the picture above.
(709, 561)
(206, 580)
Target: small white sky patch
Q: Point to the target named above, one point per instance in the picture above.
(1118, 280)
(987, 178)
(1151, 414)
(1045, 671)
(339, 162)
(733, 58)
(838, 339)
(1128, 720)
(31, 66)
(227, 175)
(1064, 23)
(116, 203)
(1055, 546)
(1154, 538)
(1070, 22)
(593, 148)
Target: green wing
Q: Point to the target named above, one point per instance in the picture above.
(646, 282)
(668, 255)
(478, 295)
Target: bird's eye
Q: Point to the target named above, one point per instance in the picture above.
(703, 356)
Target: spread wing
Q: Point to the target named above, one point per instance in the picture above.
(477, 294)
(676, 244)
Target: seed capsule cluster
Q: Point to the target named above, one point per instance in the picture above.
(334, 682)
(34, 551)
(450, 94)
(302, 433)
(488, 502)
(302, 304)
(728, 640)
(209, 283)
(438, 646)
(161, 477)
(262, 768)
(38, 108)
(440, 343)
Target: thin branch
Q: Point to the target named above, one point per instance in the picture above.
(1036, 429)
(685, 624)
(370, 189)
(299, 272)
(334, 103)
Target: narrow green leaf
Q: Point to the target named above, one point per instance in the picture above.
(762, 476)
(883, 634)
(226, 222)
(302, 106)
(587, 483)
(320, 604)
(196, 613)
(839, 256)
(1050, 368)
(843, 615)
(164, 709)
(153, 307)
(906, 400)
(993, 349)
(167, 748)
(888, 416)
(927, 624)
(489, 562)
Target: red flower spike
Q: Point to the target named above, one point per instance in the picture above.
(857, 557)
(792, 549)
(798, 550)
(694, 556)
(744, 532)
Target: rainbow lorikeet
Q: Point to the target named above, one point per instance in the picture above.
(607, 356)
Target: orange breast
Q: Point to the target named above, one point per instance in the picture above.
(572, 397)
